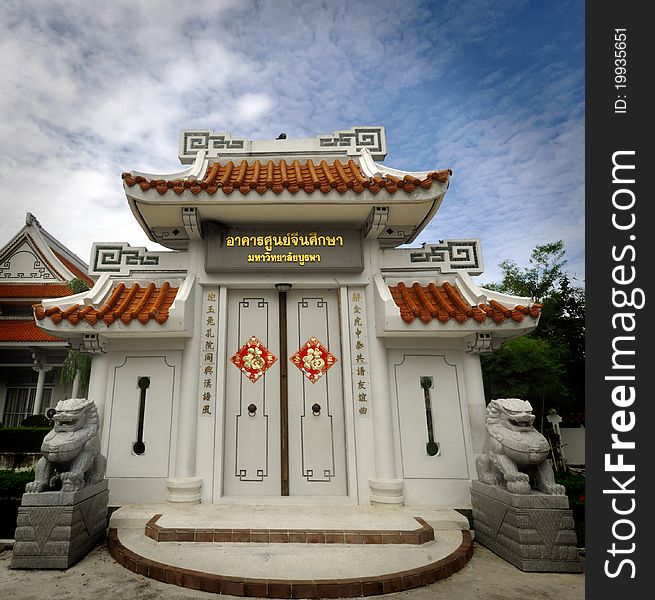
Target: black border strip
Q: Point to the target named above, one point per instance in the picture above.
(618, 120)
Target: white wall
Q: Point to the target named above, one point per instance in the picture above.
(132, 476)
(573, 445)
(442, 479)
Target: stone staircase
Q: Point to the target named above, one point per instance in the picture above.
(286, 551)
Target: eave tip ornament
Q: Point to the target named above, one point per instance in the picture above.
(313, 359)
(253, 359)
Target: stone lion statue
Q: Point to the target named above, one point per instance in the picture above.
(71, 451)
(515, 450)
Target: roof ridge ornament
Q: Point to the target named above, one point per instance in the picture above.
(197, 170)
(30, 219)
(121, 258)
(349, 142)
(375, 169)
(448, 256)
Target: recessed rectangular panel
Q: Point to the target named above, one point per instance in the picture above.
(252, 438)
(427, 393)
(127, 425)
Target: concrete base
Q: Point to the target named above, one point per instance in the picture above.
(184, 490)
(56, 529)
(386, 491)
(534, 531)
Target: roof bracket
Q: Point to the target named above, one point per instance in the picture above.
(92, 343)
(482, 343)
(191, 222)
(376, 221)
(396, 235)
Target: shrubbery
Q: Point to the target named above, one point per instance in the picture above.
(575, 490)
(12, 486)
(22, 439)
(37, 421)
(12, 483)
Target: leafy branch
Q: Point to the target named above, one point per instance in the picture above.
(76, 361)
(545, 367)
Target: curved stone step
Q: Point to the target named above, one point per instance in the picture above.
(421, 535)
(280, 570)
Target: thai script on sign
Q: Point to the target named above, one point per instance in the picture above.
(283, 249)
(283, 241)
(301, 259)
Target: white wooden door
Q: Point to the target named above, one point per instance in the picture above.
(315, 424)
(317, 452)
(252, 410)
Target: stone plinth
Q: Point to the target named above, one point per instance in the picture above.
(386, 491)
(56, 529)
(534, 532)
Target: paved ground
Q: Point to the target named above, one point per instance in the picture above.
(98, 577)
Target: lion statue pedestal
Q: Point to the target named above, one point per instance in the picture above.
(63, 513)
(531, 528)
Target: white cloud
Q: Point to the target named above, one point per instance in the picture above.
(251, 107)
(91, 90)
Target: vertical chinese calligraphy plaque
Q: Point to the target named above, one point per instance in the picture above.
(208, 328)
(361, 380)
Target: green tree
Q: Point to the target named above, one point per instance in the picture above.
(562, 324)
(78, 285)
(545, 367)
(528, 368)
(75, 360)
(537, 280)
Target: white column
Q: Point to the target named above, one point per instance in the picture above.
(40, 383)
(386, 487)
(76, 384)
(98, 392)
(475, 400)
(183, 485)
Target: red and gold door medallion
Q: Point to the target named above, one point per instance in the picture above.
(253, 359)
(313, 359)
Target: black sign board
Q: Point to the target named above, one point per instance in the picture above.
(291, 249)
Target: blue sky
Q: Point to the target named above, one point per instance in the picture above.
(493, 90)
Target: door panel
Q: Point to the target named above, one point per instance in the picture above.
(122, 460)
(317, 458)
(316, 438)
(252, 438)
(442, 398)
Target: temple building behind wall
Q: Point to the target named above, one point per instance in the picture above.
(33, 265)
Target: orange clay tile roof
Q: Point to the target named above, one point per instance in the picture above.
(34, 290)
(293, 176)
(75, 270)
(21, 330)
(445, 302)
(124, 303)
